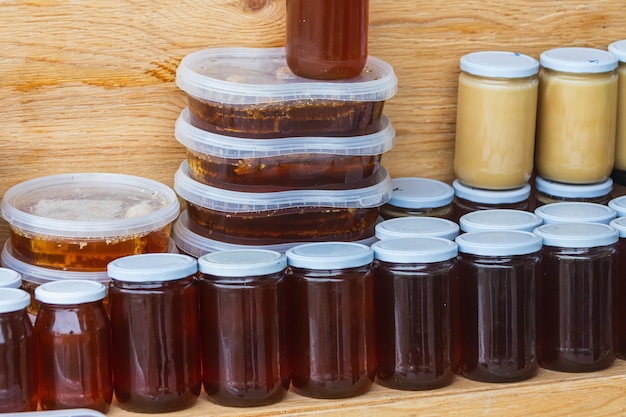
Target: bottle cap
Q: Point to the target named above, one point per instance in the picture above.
(578, 60)
(499, 64)
(152, 267)
(329, 255)
(70, 292)
(415, 250)
(498, 243)
(417, 227)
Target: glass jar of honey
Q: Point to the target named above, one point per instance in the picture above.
(416, 227)
(618, 49)
(331, 319)
(551, 192)
(469, 199)
(413, 196)
(73, 340)
(18, 375)
(576, 115)
(154, 318)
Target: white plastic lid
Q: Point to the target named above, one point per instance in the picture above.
(577, 235)
(559, 189)
(578, 60)
(618, 48)
(575, 211)
(70, 292)
(13, 299)
(152, 267)
(329, 255)
(499, 219)
(414, 192)
(10, 278)
(261, 75)
(415, 250)
(619, 205)
(416, 227)
(90, 205)
(499, 64)
(619, 224)
(229, 147)
(498, 243)
(242, 263)
(229, 201)
(480, 195)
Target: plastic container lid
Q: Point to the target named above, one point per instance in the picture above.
(414, 192)
(479, 195)
(10, 278)
(499, 243)
(575, 211)
(259, 75)
(499, 64)
(412, 250)
(499, 219)
(229, 147)
(70, 292)
(416, 227)
(619, 224)
(618, 48)
(152, 267)
(329, 255)
(619, 205)
(242, 263)
(578, 60)
(577, 235)
(13, 299)
(244, 202)
(90, 205)
(559, 189)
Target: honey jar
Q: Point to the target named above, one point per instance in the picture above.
(414, 196)
(618, 49)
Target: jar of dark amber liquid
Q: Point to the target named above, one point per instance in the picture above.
(327, 39)
(619, 289)
(495, 305)
(554, 192)
(418, 197)
(468, 199)
(574, 297)
(73, 340)
(413, 323)
(153, 300)
(330, 319)
(18, 379)
(242, 308)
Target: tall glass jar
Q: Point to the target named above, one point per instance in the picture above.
(153, 300)
(495, 119)
(618, 49)
(331, 318)
(73, 340)
(243, 327)
(18, 376)
(577, 111)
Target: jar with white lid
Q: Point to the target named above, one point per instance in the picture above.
(494, 302)
(413, 276)
(330, 293)
(575, 212)
(73, 338)
(495, 120)
(18, 375)
(618, 48)
(414, 196)
(577, 111)
(619, 289)
(243, 327)
(470, 199)
(10, 278)
(552, 191)
(574, 297)
(416, 227)
(499, 219)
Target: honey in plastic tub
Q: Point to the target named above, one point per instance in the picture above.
(83, 221)
(280, 164)
(251, 92)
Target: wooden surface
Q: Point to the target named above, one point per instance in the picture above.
(88, 85)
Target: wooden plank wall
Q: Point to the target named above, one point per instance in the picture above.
(88, 85)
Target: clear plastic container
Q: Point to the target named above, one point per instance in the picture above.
(241, 164)
(619, 289)
(416, 227)
(575, 212)
(414, 196)
(250, 92)
(83, 221)
(260, 218)
(576, 115)
(245, 357)
(618, 48)
(469, 199)
(10, 278)
(330, 293)
(499, 219)
(574, 297)
(496, 115)
(413, 277)
(552, 192)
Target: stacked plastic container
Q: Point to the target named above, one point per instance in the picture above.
(274, 159)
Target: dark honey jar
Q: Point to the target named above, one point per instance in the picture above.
(243, 326)
(413, 279)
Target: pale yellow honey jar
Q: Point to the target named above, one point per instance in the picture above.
(618, 49)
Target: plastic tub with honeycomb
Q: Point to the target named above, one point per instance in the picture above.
(251, 92)
(244, 164)
(283, 216)
(83, 221)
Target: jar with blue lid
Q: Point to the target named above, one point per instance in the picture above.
(499, 219)
(468, 199)
(413, 278)
(416, 227)
(415, 196)
(575, 212)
